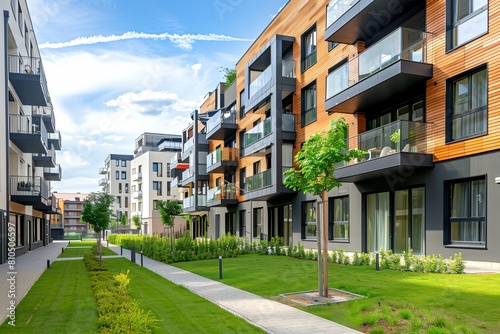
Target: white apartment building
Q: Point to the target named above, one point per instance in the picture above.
(116, 181)
(28, 136)
(151, 180)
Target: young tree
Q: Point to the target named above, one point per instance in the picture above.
(123, 220)
(168, 210)
(98, 214)
(137, 221)
(314, 173)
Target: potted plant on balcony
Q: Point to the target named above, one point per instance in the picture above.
(396, 138)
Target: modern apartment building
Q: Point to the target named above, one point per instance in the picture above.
(415, 81)
(28, 136)
(116, 181)
(152, 181)
(70, 206)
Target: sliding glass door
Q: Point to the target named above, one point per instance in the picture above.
(378, 221)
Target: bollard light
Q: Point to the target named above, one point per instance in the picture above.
(377, 261)
(220, 267)
(48, 263)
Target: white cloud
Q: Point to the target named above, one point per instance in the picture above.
(68, 159)
(77, 184)
(114, 138)
(184, 41)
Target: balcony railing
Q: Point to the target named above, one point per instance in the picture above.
(288, 68)
(48, 112)
(103, 182)
(27, 125)
(137, 194)
(227, 116)
(188, 202)
(29, 65)
(260, 131)
(188, 144)
(187, 173)
(337, 8)
(258, 181)
(261, 80)
(103, 170)
(221, 154)
(175, 183)
(402, 44)
(225, 191)
(288, 122)
(395, 137)
(137, 177)
(170, 146)
(29, 186)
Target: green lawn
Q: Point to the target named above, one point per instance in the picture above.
(82, 251)
(179, 310)
(86, 243)
(61, 301)
(453, 301)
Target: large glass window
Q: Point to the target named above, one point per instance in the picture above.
(308, 48)
(378, 222)
(157, 187)
(468, 105)
(309, 230)
(338, 212)
(467, 213)
(157, 168)
(258, 219)
(308, 104)
(467, 20)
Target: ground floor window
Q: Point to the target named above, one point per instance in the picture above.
(243, 227)
(466, 223)
(281, 223)
(396, 221)
(231, 223)
(309, 226)
(258, 219)
(338, 218)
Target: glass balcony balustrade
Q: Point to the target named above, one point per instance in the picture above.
(227, 116)
(188, 144)
(395, 137)
(221, 154)
(225, 191)
(259, 82)
(402, 44)
(337, 8)
(258, 181)
(260, 131)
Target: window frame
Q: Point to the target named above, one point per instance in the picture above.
(448, 195)
(332, 223)
(451, 24)
(312, 110)
(450, 104)
(312, 55)
(306, 223)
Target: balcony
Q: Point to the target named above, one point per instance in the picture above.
(175, 183)
(222, 195)
(45, 159)
(169, 145)
(189, 205)
(188, 144)
(103, 182)
(260, 81)
(393, 66)
(395, 147)
(51, 207)
(222, 159)
(47, 114)
(222, 124)
(103, 170)
(29, 190)
(348, 21)
(188, 174)
(258, 181)
(28, 78)
(176, 162)
(260, 131)
(137, 194)
(137, 177)
(29, 134)
(54, 140)
(53, 173)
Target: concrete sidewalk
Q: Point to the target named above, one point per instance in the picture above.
(271, 316)
(27, 269)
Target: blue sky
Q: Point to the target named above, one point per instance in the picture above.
(118, 68)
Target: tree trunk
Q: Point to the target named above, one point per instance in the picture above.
(99, 249)
(324, 197)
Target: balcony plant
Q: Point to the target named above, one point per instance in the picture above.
(396, 138)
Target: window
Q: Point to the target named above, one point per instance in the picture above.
(124, 163)
(243, 176)
(308, 51)
(467, 20)
(242, 223)
(331, 45)
(467, 212)
(338, 211)
(308, 114)
(157, 187)
(467, 105)
(168, 188)
(126, 201)
(117, 163)
(117, 175)
(157, 168)
(257, 223)
(20, 17)
(124, 175)
(119, 187)
(126, 188)
(119, 201)
(168, 169)
(155, 202)
(242, 104)
(309, 218)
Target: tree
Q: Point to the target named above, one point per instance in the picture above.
(168, 210)
(123, 220)
(98, 214)
(137, 221)
(229, 75)
(314, 173)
